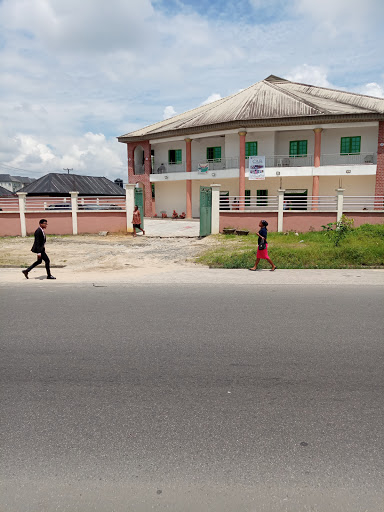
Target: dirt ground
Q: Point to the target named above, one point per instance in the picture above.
(89, 253)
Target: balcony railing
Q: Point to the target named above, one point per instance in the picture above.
(357, 159)
(233, 162)
(267, 203)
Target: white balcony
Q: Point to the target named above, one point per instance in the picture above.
(281, 161)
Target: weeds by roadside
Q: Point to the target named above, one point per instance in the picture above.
(361, 247)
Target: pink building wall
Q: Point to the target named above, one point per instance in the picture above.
(250, 221)
(93, 222)
(10, 224)
(294, 221)
(307, 221)
(59, 223)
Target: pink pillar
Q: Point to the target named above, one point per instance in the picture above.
(316, 179)
(188, 151)
(242, 170)
(379, 186)
(144, 179)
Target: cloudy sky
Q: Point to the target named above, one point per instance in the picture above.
(75, 74)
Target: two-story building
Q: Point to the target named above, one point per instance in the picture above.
(314, 140)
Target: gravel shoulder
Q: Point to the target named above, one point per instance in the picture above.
(89, 253)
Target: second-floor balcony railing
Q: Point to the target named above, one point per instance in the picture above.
(233, 162)
(352, 159)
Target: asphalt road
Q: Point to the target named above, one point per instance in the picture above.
(191, 398)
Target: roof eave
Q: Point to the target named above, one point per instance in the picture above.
(283, 121)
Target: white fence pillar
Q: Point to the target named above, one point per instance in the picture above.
(22, 196)
(280, 209)
(129, 204)
(74, 196)
(340, 203)
(215, 210)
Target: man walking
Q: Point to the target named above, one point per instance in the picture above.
(136, 221)
(38, 247)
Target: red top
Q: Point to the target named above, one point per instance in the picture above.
(136, 217)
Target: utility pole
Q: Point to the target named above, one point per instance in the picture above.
(67, 169)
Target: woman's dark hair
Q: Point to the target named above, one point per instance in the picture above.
(264, 223)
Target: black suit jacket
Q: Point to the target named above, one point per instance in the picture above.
(38, 244)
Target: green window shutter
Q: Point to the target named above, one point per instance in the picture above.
(344, 146)
(214, 153)
(247, 197)
(293, 148)
(303, 147)
(350, 145)
(355, 144)
(262, 197)
(174, 156)
(298, 148)
(250, 149)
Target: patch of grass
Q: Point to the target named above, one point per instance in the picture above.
(361, 247)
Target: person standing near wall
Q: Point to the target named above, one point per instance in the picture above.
(38, 247)
(262, 254)
(136, 220)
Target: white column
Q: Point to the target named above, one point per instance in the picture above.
(340, 203)
(215, 210)
(280, 209)
(74, 196)
(22, 196)
(129, 204)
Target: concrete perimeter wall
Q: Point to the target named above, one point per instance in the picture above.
(293, 221)
(247, 220)
(93, 222)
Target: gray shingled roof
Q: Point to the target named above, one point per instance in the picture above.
(59, 184)
(270, 102)
(5, 192)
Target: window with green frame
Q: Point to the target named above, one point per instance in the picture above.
(247, 197)
(174, 156)
(250, 149)
(262, 197)
(298, 148)
(214, 153)
(350, 145)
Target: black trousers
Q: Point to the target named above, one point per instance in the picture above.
(39, 260)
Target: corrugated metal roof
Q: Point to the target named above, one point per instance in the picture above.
(55, 183)
(273, 98)
(5, 193)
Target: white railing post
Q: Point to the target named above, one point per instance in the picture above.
(280, 209)
(74, 196)
(129, 204)
(340, 203)
(22, 197)
(215, 209)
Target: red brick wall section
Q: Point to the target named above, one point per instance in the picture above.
(379, 189)
(141, 178)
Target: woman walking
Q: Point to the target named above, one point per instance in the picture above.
(262, 253)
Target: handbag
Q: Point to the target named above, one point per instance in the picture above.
(262, 245)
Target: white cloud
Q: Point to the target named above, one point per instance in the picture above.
(169, 112)
(312, 75)
(213, 97)
(69, 69)
(372, 89)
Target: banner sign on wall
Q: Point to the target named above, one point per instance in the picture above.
(257, 168)
(203, 168)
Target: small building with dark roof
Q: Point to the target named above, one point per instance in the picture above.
(59, 185)
(4, 192)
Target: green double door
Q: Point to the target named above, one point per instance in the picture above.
(205, 210)
(139, 200)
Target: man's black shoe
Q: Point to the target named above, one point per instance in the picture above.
(25, 272)
(51, 277)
